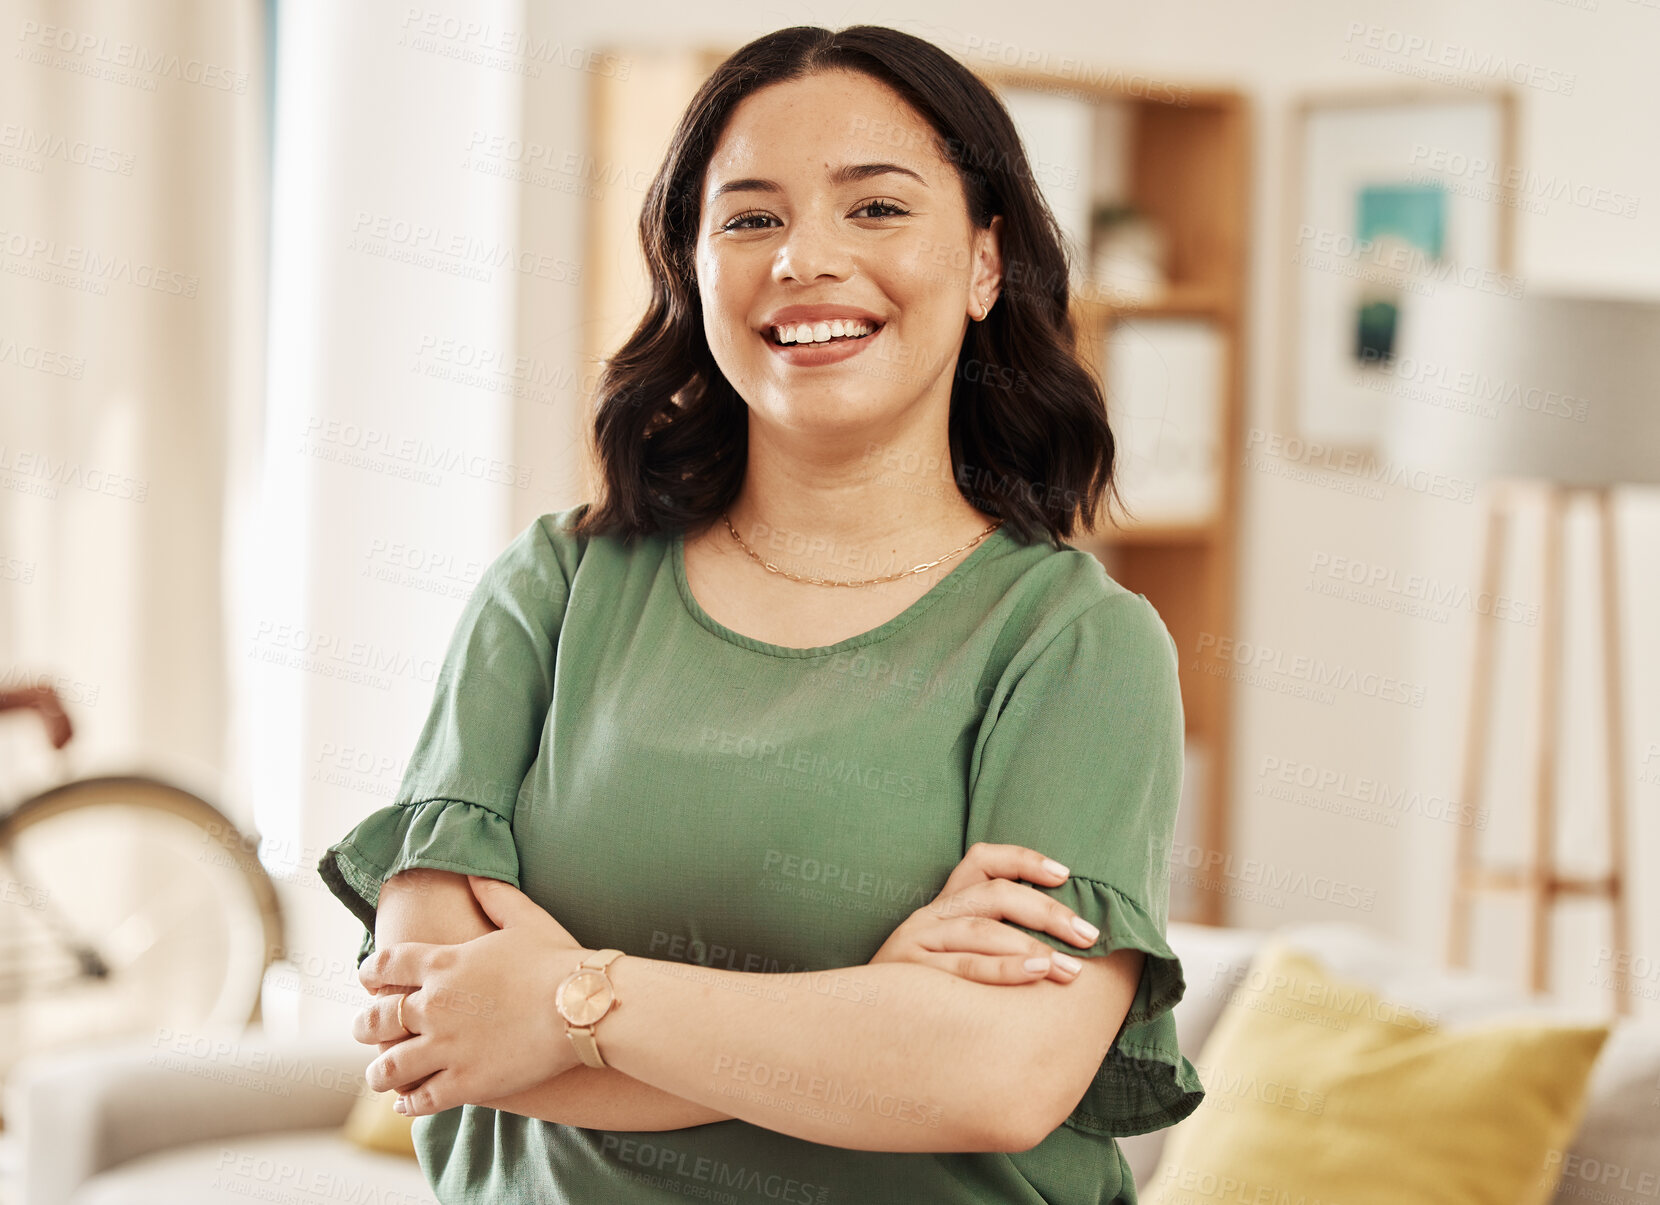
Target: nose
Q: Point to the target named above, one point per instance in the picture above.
(812, 247)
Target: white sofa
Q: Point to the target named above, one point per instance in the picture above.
(198, 1121)
(147, 1124)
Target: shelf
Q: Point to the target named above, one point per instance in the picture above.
(1153, 533)
(1179, 301)
(1111, 88)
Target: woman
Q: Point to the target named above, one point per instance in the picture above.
(806, 801)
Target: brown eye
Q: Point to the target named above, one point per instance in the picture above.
(737, 223)
(893, 211)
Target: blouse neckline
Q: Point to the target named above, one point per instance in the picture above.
(880, 632)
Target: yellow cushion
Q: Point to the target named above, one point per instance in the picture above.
(374, 1126)
(1318, 1092)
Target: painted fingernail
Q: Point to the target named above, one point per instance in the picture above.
(400, 1105)
(1085, 930)
(1037, 964)
(1067, 963)
(1054, 867)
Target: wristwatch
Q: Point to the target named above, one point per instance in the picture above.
(582, 998)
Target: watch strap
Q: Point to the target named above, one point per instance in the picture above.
(586, 1048)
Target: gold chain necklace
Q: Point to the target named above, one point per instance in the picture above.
(820, 581)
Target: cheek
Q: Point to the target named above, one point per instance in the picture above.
(931, 263)
(925, 292)
(724, 303)
(924, 309)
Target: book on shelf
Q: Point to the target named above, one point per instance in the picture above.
(1164, 381)
(1078, 151)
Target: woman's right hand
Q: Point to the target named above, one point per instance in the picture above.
(962, 930)
(428, 905)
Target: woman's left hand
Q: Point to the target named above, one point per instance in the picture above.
(480, 1013)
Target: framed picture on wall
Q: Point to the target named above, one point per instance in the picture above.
(1391, 194)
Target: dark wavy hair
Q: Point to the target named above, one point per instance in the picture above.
(1028, 426)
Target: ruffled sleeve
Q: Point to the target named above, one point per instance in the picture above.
(483, 730)
(1083, 762)
(442, 834)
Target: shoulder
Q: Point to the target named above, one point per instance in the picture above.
(1115, 647)
(1070, 601)
(551, 552)
(1111, 661)
(555, 533)
(542, 559)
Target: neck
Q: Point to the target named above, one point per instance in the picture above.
(860, 506)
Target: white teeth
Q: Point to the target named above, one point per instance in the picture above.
(819, 332)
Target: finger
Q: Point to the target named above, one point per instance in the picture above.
(442, 1091)
(504, 903)
(369, 1023)
(377, 1022)
(982, 935)
(402, 964)
(412, 1084)
(988, 860)
(414, 1012)
(979, 934)
(988, 968)
(1001, 899)
(403, 1089)
(385, 1046)
(391, 997)
(406, 1062)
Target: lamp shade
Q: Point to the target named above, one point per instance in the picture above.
(1560, 388)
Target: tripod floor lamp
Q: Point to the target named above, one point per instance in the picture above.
(1545, 400)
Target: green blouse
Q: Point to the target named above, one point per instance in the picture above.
(668, 787)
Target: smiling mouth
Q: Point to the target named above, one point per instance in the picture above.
(771, 336)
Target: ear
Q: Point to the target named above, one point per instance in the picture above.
(986, 281)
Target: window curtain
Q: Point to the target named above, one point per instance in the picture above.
(132, 249)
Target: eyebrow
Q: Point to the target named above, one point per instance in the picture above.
(845, 174)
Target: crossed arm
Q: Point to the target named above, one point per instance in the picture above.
(937, 1063)
(437, 906)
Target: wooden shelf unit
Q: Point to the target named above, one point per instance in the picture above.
(1189, 169)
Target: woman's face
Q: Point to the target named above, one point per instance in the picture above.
(826, 197)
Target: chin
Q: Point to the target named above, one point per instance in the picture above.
(829, 413)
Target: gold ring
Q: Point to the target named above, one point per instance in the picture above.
(407, 1031)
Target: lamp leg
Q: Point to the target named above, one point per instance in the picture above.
(1542, 874)
(1613, 724)
(1479, 726)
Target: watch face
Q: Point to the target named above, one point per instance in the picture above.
(584, 997)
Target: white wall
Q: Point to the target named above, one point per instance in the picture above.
(372, 530)
(1602, 132)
